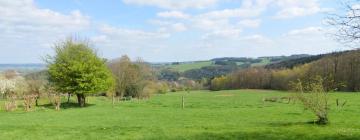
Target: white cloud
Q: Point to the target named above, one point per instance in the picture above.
(129, 34)
(173, 14)
(251, 23)
(173, 4)
(258, 39)
(233, 13)
(248, 8)
(226, 22)
(117, 41)
(209, 25)
(305, 31)
(24, 26)
(23, 20)
(297, 8)
(310, 40)
(222, 34)
(179, 27)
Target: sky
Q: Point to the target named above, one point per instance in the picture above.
(167, 30)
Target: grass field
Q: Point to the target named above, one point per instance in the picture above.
(262, 63)
(237, 114)
(189, 66)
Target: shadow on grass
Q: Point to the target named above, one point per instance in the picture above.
(266, 135)
(66, 105)
(280, 124)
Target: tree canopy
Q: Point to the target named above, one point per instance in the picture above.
(76, 69)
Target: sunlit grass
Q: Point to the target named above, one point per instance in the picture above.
(189, 66)
(235, 114)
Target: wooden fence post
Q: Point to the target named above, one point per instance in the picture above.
(183, 102)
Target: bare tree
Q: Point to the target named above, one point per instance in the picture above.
(347, 22)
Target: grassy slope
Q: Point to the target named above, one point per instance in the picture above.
(208, 115)
(189, 66)
(262, 63)
(200, 64)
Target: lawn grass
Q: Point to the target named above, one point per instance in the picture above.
(188, 66)
(234, 114)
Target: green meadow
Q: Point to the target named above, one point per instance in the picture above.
(233, 114)
(188, 66)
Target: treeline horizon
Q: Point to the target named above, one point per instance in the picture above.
(338, 69)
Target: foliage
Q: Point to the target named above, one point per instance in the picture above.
(131, 77)
(11, 104)
(7, 86)
(36, 86)
(209, 72)
(338, 71)
(314, 97)
(168, 75)
(153, 87)
(53, 96)
(76, 69)
(219, 83)
(29, 102)
(15, 86)
(293, 62)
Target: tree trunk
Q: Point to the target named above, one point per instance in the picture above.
(113, 99)
(36, 101)
(322, 120)
(81, 99)
(68, 99)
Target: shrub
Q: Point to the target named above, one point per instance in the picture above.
(313, 97)
(11, 105)
(29, 102)
(55, 100)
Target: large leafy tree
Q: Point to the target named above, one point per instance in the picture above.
(76, 69)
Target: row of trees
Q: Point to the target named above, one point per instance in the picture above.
(77, 69)
(15, 87)
(339, 71)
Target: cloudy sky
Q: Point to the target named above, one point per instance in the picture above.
(167, 30)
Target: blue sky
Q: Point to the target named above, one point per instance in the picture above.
(167, 30)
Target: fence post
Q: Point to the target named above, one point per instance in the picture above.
(183, 102)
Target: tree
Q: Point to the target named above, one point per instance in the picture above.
(168, 75)
(76, 69)
(130, 77)
(36, 83)
(10, 74)
(347, 22)
(314, 97)
(123, 72)
(219, 83)
(7, 86)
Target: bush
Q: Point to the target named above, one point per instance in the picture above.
(11, 105)
(313, 97)
(29, 102)
(219, 83)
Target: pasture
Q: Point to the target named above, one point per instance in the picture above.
(233, 114)
(190, 65)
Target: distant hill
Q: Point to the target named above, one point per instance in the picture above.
(296, 60)
(240, 62)
(22, 68)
